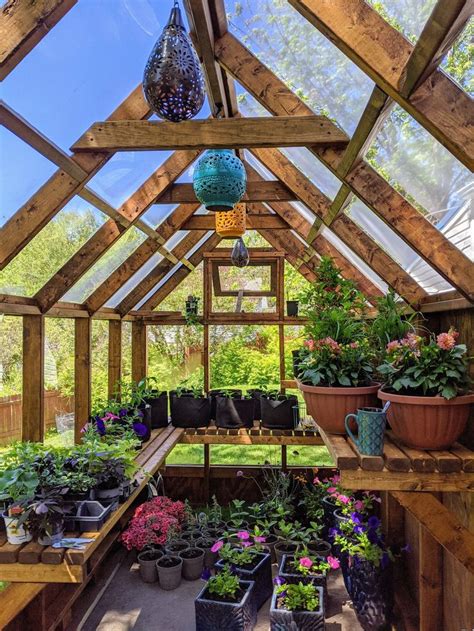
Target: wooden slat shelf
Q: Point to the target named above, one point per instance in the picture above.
(256, 436)
(402, 468)
(30, 563)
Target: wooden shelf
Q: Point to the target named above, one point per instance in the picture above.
(256, 436)
(402, 468)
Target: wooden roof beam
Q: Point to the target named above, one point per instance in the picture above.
(222, 133)
(263, 191)
(109, 232)
(254, 222)
(23, 24)
(439, 104)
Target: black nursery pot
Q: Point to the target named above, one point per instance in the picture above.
(159, 410)
(213, 394)
(145, 409)
(256, 394)
(261, 574)
(371, 594)
(234, 413)
(278, 414)
(292, 308)
(189, 411)
(216, 615)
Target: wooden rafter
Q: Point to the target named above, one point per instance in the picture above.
(109, 232)
(254, 222)
(211, 133)
(264, 191)
(60, 188)
(23, 24)
(383, 53)
(389, 205)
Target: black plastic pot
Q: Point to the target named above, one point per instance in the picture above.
(278, 414)
(301, 620)
(234, 413)
(191, 307)
(256, 394)
(372, 594)
(319, 547)
(189, 411)
(159, 410)
(261, 574)
(215, 615)
(213, 394)
(145, 409)
(292, 308)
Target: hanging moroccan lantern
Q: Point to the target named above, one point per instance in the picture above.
(240, 255)
(231, 224)
(219, 179)
(173, 82)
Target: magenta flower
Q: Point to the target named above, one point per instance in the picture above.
(344, 499)
(109, 416)
(259, 539)
(331, 489)
(243, 535)
(217, 546)
(306, 562)
(246, 544)
(359, 505)
(333, 563)
(316, 480)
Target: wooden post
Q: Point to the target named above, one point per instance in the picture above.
(281, 345)
(139, 351)
(207, 306)
(115, 357)
(430, 581)
(33, 378)
(82, 374)
(284, 460)
(207, 472)
(205, 359)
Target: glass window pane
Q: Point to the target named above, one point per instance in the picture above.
(175, 355)
(157, 213)
(51, 248)
(427, 174)
(192, 284)
(11, 378)
(302, 57)
(99, 360)
(135, 280)
(407, 16)
(459, 60)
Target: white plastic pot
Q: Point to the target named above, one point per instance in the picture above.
(16, 534)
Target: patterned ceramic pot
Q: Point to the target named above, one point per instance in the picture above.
(371, 593)
(261, 575)
(302, 620)
(214, 615)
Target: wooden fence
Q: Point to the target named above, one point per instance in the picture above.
(11, 408)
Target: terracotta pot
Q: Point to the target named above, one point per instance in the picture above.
(329, 406)
(427, 422)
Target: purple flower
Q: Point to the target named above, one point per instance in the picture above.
(140, 429)
(359, 530)
(100, 425)
(356, 518)
(206, 574)
(373, 522)
(217, 546)
(385, 560)
(372, 536)
(239, 474)
(243, 535)
(123, 412)
(140, 413)
(333, 532)
(259, 539)
(41, 509)
(278, 580)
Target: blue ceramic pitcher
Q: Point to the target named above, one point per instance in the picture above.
(371, 423)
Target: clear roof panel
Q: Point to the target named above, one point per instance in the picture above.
(175, 239)
(427, 174)
(459, 60)
(407, 16)
(51, 248)
(106, 265)
(395, 247)
(134, 280)
(21, 176)
(157, 213)
(302, 57)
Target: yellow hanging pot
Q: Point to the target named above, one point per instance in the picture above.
(231, 224)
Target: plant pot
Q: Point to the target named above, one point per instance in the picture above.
(147, 560)
(278, 414)
(175, 547)
(292, 308)
(320, 548)
(16, 534)
(91, 516)
(191, 536)
(290, 575)
(213, 394)
(255, 393)
(371, 594)
(159, 410)
(169, 570)
(193, 563)
(427, 422)
(216, 615)
(234, 413)
(329, 506)
(189, 411)
(56, 535)
(261, 574)
(297, 620)
(108, 494)
(329, 406)
(270, 543)
(210, 558)
(284, 547)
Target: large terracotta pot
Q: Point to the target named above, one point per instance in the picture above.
(330, 406)
(427, 422)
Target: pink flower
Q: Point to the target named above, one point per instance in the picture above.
(331, 489)
(109, 416)
(354, 344)
(446, 341)
(333, 562)
(259, 539)
(306, 562)
(336, 479)
(239, 474)
(246, 544)
(243, 534)
(309, 344)
(359, 505)
(392, 346)
(316, 480)
(344, 499)
(217, 546)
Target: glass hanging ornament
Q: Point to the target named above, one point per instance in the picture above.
(219, 179)
(240, 255)
(173, 82)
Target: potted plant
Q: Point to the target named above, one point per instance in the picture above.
(150, 394)
(44, 519)
(306, 568)
(147, 559)
(17, 485)
(191, 306)
(222, 392)
(291, 306)
(190, 410)
(250, 562)
(193, 563)
(297, 606)
(427, 384)
(226, 602)
(277, 410)
(235, 411)
(210, 557)
(335, 368)
(110, 477)
(169, 570)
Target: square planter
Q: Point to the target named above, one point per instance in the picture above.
(297, 620)
(278, 413)
(189, 411)
(214, 615)
(261, 574)
(290, 575)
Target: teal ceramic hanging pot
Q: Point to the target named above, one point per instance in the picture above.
(219, 179)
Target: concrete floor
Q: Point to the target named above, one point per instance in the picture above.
(129, 604)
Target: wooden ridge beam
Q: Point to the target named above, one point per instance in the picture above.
(372, 188)
(138, 258)
(60, 188)
(263, 191)
(360, 32)
(109, 232)
(211, 133)
(23, 24)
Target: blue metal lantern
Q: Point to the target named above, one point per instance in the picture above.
(219, 179)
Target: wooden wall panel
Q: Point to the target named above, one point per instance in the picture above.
(115, 355)
(82, 374)
(139, 351)
(33, 378)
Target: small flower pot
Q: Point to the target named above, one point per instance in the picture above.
(284, 547)
(175, 547)
(288, 573)
(234, 413)
(159, 410)
(109, 496)
(319, 548)
(191, 536)
(16, 534)
(190, 411)
(90, 516)
(147, 560)
(278, 413)
(270, 543)
(210, 558)
(299, 620)
(329, 506)
(217, 615)
(292, 308)
(213, 394)
(56, 535)
(169, 570)
(193, 563)
(260, 574)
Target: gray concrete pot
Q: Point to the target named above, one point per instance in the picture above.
(175, 547)
(147, 560)
(270, 543)
(169, 570)
(193, 563)
(284, 547)
(210, 558)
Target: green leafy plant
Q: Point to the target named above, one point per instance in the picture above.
(224, 584)
(391, 322)
(297, 597)
(239, 556)
(17, 484)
